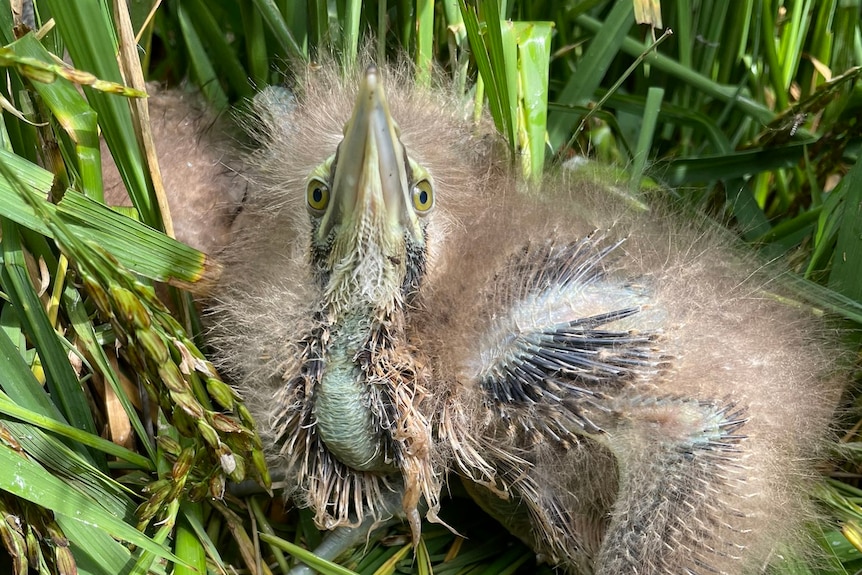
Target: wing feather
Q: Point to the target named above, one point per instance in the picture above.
(570, 332)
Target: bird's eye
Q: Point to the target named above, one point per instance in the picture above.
(423, 197)
(317, 195)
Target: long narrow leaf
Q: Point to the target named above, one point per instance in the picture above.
(144, 250)
(64, 384)
(74, 115)
(846, 276)
(29, 481)
(88, 341)
(95, 51)
(609, 37)
(9, 408)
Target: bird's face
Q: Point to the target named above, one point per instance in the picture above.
(369, 205)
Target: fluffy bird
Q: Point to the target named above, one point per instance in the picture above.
(620, 387)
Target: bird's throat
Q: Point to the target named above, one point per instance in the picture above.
(346, 408)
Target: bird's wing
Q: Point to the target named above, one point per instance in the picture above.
(572, 346)
(563, 333)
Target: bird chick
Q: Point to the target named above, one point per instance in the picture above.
(190, 147)
(617, 386)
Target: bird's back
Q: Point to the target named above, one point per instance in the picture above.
(719, 334)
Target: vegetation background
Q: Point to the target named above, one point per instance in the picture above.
(749, 111)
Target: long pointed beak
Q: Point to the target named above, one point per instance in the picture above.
(370, 181)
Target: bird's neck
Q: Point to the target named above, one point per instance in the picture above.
(352, 396)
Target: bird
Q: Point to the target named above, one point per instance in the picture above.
(193, 146)
(617, 381)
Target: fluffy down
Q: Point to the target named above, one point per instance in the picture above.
(673, 429)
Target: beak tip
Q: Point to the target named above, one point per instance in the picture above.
(370, 79)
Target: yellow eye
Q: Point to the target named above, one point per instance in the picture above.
(317, 195)
(423, 197)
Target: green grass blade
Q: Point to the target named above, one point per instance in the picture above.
(221, 51)
(139, 247)
(350, 33)
(279, 29)
(826, 234)
(424, 41)
(846, 276)
(87, 339)
(499, 111)
(29, 481)
(702, 169)
(645, 138)
(321, 565)
(743, 205)
(671, 114)
(74, 115)
(68, 466)
(96, 52)
(8, 407)
(18, 381)
(194, 521)
(32, 176)
(95, 551)
(826, 299)
(661, 62)
(257, 55)
(508, 561)
(202, 68)
(503, 60)
(772, 62)
(187, 545)
(317, 26)
(54, 355)
(145, 251)
(606, 44)
(6, 24)
(265, 527)
(534, 52)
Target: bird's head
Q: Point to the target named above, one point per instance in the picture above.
(369, 205)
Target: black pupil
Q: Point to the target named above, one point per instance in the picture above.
(317, 195)
(423, 197)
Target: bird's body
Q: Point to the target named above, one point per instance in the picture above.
(618, 386)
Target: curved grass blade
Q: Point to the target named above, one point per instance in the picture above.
(686, 171)
(8, 407)
(607, 42)
(321, 565)
(279, 29)
(95, 52)
(18, 381)
(221, 50)
(201, 66)
(53, 354)
(71, 468)
(139, 247)
(846, 276)
(721, 92)
(30, 481)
